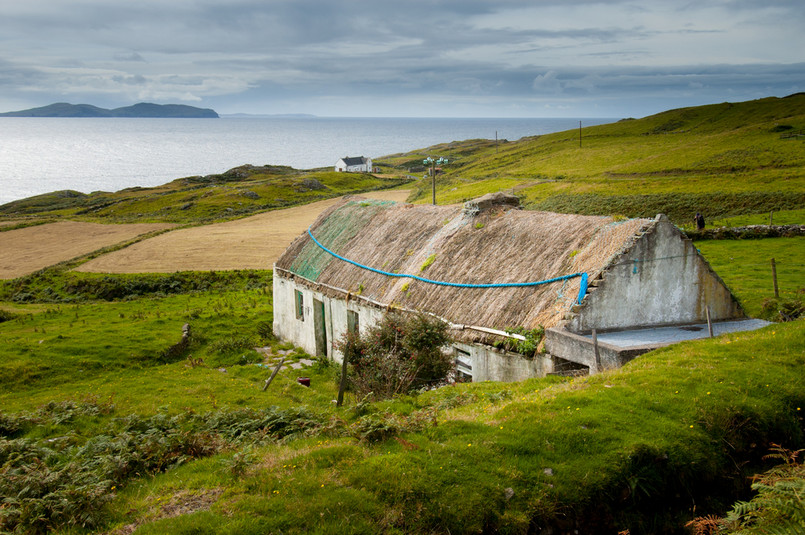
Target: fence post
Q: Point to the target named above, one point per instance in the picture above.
(774, 278)
(343, 385)
(274, 374)
(709, 322)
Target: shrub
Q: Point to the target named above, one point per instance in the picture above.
(776, 309)
(232, 344)
(5, 315)
(778, 506)
(398, 355)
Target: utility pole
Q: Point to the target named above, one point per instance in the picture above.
(432, 162)
(579, 134)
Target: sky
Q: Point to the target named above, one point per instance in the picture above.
(393, 58)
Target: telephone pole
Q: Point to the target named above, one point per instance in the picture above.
(432, 162)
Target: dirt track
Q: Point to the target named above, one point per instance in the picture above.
(29, 249)
(251, 243)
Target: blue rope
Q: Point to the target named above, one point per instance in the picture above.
(582, 289)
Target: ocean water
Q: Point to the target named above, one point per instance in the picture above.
(40, 155)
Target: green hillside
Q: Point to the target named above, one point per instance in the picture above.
(724, 160)
(199, 199)
(112, 422)
(104, 428)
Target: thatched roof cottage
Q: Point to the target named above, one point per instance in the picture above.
(481, 267)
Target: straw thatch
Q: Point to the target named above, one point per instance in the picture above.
(493, 246)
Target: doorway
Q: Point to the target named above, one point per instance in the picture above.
(320, 327)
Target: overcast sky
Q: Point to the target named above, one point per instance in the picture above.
(442, 58)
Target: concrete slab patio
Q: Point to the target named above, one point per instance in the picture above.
(616, 348)
(661, 336)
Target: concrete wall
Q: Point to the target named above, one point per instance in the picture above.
(489, 364)
(303, 332)
(669, 284)
(579, 349)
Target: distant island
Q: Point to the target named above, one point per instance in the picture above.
(143, 109)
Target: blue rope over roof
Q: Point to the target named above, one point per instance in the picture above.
(582, 289)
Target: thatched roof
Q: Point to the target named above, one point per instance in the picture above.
(495, 245)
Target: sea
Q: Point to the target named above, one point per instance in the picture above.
(41, 155)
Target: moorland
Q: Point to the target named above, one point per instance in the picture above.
(109, 424)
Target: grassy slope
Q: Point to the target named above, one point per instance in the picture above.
(709, 152)
(671, 428)
(671, 424)
(240, 191)
(664, 436)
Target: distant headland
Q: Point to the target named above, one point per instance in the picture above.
(143, 109)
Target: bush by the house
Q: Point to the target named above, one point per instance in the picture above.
(400, 354)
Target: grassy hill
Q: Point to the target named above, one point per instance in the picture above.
(109, 424)
(104, 427)
(724, 160)
(199, 199)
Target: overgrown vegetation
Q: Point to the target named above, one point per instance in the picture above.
(67, 481)
(106, 428)
(54, 285)
(777, 507)
(528, 347)
(396, 356)
(777, 309)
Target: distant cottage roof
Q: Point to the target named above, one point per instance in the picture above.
(354, 160)
(485, 242)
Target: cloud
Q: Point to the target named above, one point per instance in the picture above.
(311, 54)
(131, 56)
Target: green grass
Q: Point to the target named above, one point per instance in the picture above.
(728, 157)
(782, 217)
(468, 458)
(672, 435)
(745, 266)
(241, 191)
(638, 448)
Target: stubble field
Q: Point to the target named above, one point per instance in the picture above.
(250, 243)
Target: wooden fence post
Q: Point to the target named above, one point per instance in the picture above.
(273, 374)
(343, 385)
(774, 277)
(709, 323)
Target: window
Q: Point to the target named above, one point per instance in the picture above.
(300, 305)
(463, 365)
(353, 322)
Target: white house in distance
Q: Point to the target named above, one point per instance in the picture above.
(355, 164)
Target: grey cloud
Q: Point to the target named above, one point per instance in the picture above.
(137, 79)
(260, 52)
(133, 56)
